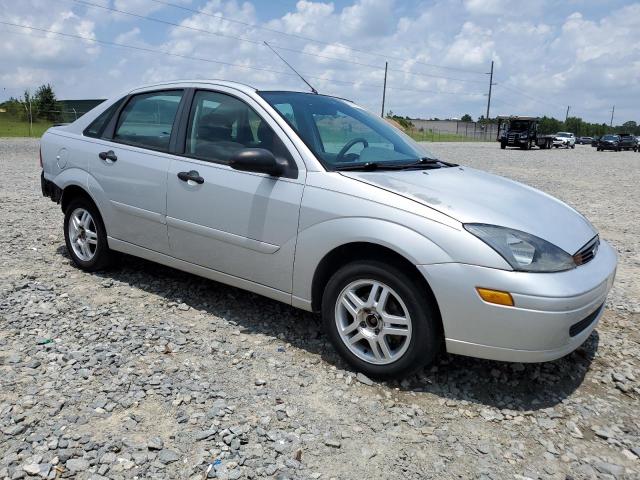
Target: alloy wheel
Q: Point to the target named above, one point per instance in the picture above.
(83, 235)
(373, 321)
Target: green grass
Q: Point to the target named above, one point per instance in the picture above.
(10, 127)
(427, 136)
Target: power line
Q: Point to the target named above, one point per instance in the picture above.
(378, 67)
(255, 42)
(229, 64)
(309, 39)
(519, 92)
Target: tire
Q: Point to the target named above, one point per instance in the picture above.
(598, 149)
(503, 145)
(93, 254)
(411, 351)
(573, 146)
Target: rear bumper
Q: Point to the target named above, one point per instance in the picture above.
(554, 313)
(50, 189)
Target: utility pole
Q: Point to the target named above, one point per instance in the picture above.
(566, 117)
(613, 110)
(490, 85)
(30, 117)
(384, 87)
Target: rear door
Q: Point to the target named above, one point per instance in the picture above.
(130, 164)
(238, 223)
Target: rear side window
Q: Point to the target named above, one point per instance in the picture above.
(147, 120)
(96, 127)
(220, 125)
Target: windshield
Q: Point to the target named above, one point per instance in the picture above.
(610, 137)
(562, 134)
(519, 125)
(341, 134)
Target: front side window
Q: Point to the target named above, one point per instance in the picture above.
(221, 125)
(147, 120)
(340, 133)
(96, 128)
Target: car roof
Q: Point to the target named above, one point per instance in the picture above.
(243, 87)
(184, 83)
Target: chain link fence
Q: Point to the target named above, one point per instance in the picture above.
(32, 124)
(452, 131)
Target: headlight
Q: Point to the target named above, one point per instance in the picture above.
(524, 252)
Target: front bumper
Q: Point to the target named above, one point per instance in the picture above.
(554, 313)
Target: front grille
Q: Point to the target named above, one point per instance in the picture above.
(588, 252)
(576, 328)
(511, 138)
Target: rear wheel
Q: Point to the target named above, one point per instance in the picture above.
(379, 320)
(85, 236)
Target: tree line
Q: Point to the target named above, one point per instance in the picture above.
(41, 105)
(575, 125)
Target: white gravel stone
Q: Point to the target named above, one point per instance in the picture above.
(212, 381)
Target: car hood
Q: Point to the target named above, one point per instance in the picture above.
(473, 196)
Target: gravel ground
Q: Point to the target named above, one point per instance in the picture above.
(147, 372)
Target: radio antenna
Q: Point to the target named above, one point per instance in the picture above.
(294, 70)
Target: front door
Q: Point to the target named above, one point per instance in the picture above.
(239, 223)
(131, 169)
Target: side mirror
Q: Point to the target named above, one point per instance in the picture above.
(256, 160)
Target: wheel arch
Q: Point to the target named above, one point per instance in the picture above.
(73, 191)
(355, 251)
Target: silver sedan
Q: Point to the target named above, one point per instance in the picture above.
(313, 201)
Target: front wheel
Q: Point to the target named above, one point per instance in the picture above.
(85, 236)
(380, 320)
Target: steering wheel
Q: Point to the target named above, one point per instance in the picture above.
(343, 151)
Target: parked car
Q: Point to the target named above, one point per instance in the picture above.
(594, 142)
(609, 142)
(585, 140)
(628, 142)
(311, 200)
(564, 139)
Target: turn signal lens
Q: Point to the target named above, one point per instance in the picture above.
(495, 296)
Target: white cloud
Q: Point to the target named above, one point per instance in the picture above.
(473, 46)
(486, 7)
(575, 53)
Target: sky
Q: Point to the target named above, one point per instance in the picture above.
(547, 54)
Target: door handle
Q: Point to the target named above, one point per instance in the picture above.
(108, 156)
(192, 176)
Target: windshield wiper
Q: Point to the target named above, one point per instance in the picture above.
(429, 161)
(367, 166)
(425, 162)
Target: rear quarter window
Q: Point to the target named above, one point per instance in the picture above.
(96, 128)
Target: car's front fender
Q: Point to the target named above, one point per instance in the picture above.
(320, 239)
